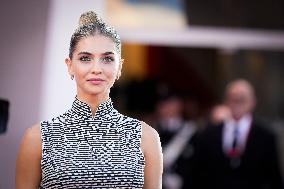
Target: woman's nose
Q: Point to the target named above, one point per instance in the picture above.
(96, 67)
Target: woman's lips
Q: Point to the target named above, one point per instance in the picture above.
(95, 81)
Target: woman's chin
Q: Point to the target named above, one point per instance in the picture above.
(94, 90)
(97, 91)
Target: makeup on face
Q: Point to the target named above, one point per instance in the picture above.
(87, 57)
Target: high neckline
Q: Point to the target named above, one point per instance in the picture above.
(84, 109)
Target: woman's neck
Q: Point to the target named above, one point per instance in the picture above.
(93, 100)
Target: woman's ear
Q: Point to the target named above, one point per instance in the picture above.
(68, 62)
(119, 69)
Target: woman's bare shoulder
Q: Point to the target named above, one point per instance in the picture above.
(150, 137)
(33, 133)
(34, 129)
(31, 141)
(148, 131)
(151, 147)
(28, 165)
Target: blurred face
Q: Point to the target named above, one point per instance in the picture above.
(240, 99)
(170, 108)
(95, 65)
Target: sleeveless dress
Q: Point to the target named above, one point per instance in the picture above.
(80, 150)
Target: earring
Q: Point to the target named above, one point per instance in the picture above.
(72, 77)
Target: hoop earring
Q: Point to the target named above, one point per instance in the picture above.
(72, 77)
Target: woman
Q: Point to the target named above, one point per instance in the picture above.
(92, 145)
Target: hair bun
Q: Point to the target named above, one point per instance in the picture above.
(89, 17)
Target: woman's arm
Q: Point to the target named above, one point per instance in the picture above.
(152, 150)
(28, 166)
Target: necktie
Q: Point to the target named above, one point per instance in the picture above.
(234, 151)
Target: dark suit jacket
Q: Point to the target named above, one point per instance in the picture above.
(258, 169)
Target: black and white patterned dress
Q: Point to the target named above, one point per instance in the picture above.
(80, 150)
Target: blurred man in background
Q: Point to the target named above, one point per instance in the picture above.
(175, 133)
(240, 153)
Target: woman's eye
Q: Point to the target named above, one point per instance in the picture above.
(108, 59)
(85, 59)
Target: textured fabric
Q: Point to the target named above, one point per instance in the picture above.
(80, 150)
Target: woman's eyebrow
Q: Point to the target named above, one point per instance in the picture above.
(88, 53)
(84, 53)
(108, 53)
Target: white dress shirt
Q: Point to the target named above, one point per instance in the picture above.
(243, 127)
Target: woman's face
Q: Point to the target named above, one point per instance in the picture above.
(95, 64)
